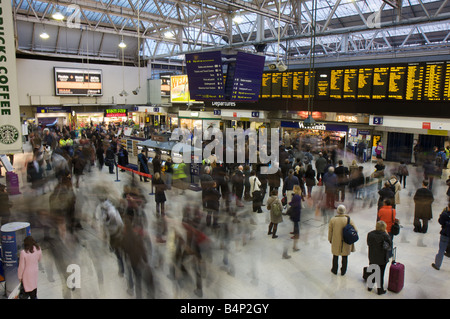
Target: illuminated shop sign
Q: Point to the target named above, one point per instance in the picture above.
(116, 112)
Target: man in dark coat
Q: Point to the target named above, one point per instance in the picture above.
(386, 193)
(238, 185)
(342, 173)
(423, 198)
(330, 181)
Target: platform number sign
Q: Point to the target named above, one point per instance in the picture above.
(377, 120)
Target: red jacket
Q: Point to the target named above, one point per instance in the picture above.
(387, 214)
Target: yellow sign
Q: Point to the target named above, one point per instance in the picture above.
(179, 89)
(376, 139)
(437, 132)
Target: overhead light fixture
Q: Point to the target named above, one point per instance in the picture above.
(44, 35)
(238, 19)
(57, 15)
(122, 45)
(168, 35)
(136, 91)
(123, 93)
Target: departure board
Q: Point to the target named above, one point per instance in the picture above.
(397, 80)
(247, 77)
(309, 86)
(434, 78)
(350, 84)
(365, 78)
(380, 82)
(336, 82)
(323, 84)
(276, 84)
(446, 95)
(298, 81)
(414, 82)
(266, 85)
(205, 75)
(286, 85)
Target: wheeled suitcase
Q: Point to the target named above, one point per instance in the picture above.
(396, 274)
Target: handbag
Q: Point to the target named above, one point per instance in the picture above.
(395, 229)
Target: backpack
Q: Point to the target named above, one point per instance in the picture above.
(350, 235)
(392, 186)
(276, 209)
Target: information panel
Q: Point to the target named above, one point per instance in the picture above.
(350, 83)
(433, 81)
(309, 87)
(78, 82)
(336, 82)
(247, 77)
(397, 80)
(276, 84)
(286, 85)
(298, 82)
(446, 95)
(205, 75)
(414, 82)
(266, 85)
(380, 82)
(323, 84)
(365, 78)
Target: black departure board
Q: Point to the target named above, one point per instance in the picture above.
(286, 85)
(309, 86)
(298, 82)
(397, 80)
(365, 78)
(266, 85)
(446, 95)
(424, 81)
(336, 82)
(434, 78)
(380, 82)
(323, 84)
(350, 84)
(276, 84)
(414, 82)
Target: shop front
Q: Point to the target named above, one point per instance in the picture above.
(319, 137)
(53, 116)
(410, 140)
(156, 116)
(246, 119)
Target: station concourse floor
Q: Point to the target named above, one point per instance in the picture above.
(255, 268)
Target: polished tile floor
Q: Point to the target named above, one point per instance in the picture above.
(255, 268)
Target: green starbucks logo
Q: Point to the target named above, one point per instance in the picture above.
(8, 134)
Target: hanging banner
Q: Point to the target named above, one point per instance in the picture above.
(10, 126)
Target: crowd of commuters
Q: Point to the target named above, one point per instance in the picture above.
(60, 159)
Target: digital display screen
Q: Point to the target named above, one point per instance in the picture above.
(323, 84)
(365, 78)
(205, 75)
(78, 82)
(266, 85)
(298, 82)
(397, 80)
(380, 82)
(309, 81)
(433, 81)
(336, 82)
(276, 84)
(286, 85)
(350, 85)
(446, 95)
(414, 82)
(247, 77)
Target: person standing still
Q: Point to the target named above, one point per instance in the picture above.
(423, 198)
(28, 270)
(335, 237)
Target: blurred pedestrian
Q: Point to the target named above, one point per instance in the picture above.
(423, 198)
(5, 205)
(444, 240)
(28, 271)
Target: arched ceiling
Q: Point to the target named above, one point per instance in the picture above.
(159, 30)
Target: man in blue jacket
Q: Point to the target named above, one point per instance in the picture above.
(330, 181)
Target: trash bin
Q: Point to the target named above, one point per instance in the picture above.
(12, 236)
